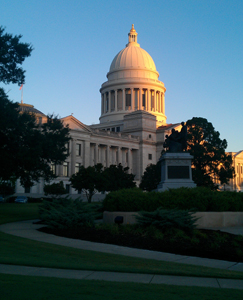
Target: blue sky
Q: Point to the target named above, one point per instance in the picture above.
(197, 47)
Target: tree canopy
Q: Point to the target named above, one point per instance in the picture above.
(117, 177)
(12, 55)
(26, 149)
(55, 189)
(96, 178)
(89, 179)
(210, 161)
(151, 177)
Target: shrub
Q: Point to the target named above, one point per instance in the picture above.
(64, 213)
(164, 218)
(198, 199)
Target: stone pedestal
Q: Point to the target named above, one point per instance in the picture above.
(175, 171)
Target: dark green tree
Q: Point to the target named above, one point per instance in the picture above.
(210, 161)
(12, 55)
(90, 180)
(116, 178)
(26, 149)
(151, 177)
(7, 188)
(55, 189)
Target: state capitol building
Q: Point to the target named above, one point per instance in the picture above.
(132, 125)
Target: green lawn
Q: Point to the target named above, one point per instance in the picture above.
(16, 250)
(39, 288)
(21, 251)
(13, 212)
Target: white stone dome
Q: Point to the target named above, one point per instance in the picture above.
(132, 57)
(132, 85)
(132, 61)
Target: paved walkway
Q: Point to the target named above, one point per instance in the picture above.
(27, 229)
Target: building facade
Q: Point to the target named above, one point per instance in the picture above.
(132, 125)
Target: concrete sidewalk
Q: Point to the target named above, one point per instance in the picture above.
(28, 230)
(122, 277)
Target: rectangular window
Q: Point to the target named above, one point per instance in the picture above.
(150, 156)
(78, 149)
(77, 167)
(67, 149)
(65, 169)
(112, 101)
(144, 99)
(118, 129)
(113, 129)
(27, 190)
(152, 99)
(107, 102)
(53, 168)
(128, 99)
(126, 157)
(68, 188)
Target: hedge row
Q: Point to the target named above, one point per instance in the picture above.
(198, 199)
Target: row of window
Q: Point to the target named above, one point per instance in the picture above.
(78, 149)
(65, 166)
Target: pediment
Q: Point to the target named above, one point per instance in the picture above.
(239, 154)
(74, 123)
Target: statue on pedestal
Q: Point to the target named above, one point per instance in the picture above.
(177, 141)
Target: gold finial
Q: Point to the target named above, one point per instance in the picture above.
(132, 30)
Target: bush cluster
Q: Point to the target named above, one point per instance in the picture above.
(197, 199)
(166, 218)
(65, 213)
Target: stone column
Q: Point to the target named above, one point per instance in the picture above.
(109, 97)
(73, 156)
(107, 155)
(102, 105)
(86, 155)
(140, 100)
(155, 100)
(148, 100)
(123, 99)
(119, 156)
(115, 100)
(163, 103)
(129, 163)
(96, 160)
(132, 99)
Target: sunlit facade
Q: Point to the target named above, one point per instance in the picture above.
(132, 125)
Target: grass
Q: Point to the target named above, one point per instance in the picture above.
(33, 253)
(13, 212)
(39, 288)
(16, 250)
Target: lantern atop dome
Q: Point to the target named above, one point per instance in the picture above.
(132, 37)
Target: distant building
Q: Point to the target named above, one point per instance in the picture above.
(132, 124)
(236, 184)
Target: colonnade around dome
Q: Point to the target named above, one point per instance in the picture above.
(132, 99)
